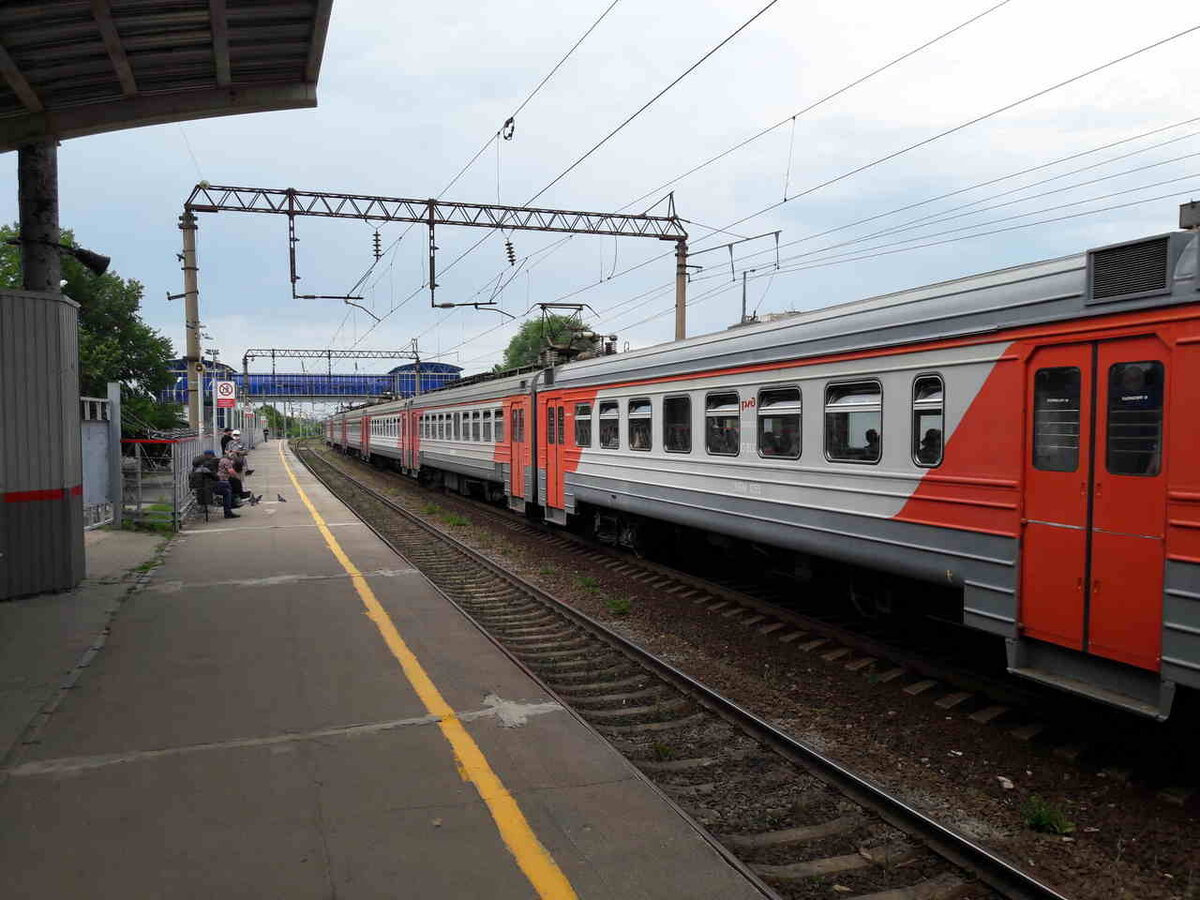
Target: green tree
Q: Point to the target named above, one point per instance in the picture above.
(538, 334)
(280, 424)
(114, 343)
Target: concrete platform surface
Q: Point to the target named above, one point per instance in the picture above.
(268, 720)
(42, 638)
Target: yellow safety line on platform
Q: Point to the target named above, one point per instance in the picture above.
(534, 860)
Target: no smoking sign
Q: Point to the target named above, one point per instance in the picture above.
(226, 394)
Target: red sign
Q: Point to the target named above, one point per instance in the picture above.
(226, 394)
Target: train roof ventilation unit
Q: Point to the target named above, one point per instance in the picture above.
(1129, 271)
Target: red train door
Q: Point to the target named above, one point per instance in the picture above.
(1095, 499)
(517, 446)
(1129, 498)
(554, 415)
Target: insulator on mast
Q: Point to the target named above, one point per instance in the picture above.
(376, 246)
(510, 253)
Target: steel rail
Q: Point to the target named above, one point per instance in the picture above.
(979, 862)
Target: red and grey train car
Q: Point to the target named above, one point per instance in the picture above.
(1029, 437)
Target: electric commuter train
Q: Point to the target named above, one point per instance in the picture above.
(1029, 437)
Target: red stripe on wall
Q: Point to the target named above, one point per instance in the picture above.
(50, 494)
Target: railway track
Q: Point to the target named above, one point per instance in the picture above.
(798, 820)
(1077, 732)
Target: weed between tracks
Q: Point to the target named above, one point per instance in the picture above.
(619, 606)
(1045, 817)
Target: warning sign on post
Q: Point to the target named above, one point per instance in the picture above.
(226, 394)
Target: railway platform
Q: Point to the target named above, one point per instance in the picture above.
(285, 708)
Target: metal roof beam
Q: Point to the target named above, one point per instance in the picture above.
(220, 41)
(102, 13)
(146, 109)
(316, 50)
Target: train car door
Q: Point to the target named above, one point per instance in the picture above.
(365, 438)
(1095, 500)
(554, 415)
(1129, 502)
(518, 446)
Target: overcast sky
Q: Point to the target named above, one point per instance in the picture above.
(409, 92)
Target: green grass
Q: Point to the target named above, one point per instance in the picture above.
(662, 752)
(588, 583)
(546, 570)
(1045, 817)
(619, 606)
(455, 519)
(431, 509)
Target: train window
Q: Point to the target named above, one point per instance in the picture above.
(928, 420)
(562, 424)
(641, 423)
(854, 421)
(723, 424)
(677, 424)
(551, 430)
(498, 417)
(583, 424)
(458, 426)
(487, 426)
(514, 423)
(610, 425)
(779, 423)
(1056, 419)
(1135, 404)
(475, 430)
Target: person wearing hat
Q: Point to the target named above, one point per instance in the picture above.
(206, 477)
(226, 437)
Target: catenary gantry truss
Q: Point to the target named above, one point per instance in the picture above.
(291, 202)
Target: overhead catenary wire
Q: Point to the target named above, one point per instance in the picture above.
(666, 287)
(688, 71)
(821, 101)
(970, 122)
(946, 132)
(494, 138)
(959, 212)
(879, 69)
(929, 140)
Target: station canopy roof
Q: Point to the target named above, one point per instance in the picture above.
(75, 67)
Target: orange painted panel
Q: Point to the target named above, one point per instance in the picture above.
(1126, 604)
(1052, 595)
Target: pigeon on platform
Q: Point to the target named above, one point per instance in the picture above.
(279, 497)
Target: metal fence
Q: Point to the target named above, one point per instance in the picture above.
(154, 480)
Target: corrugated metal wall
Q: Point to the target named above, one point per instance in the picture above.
(41, 502)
